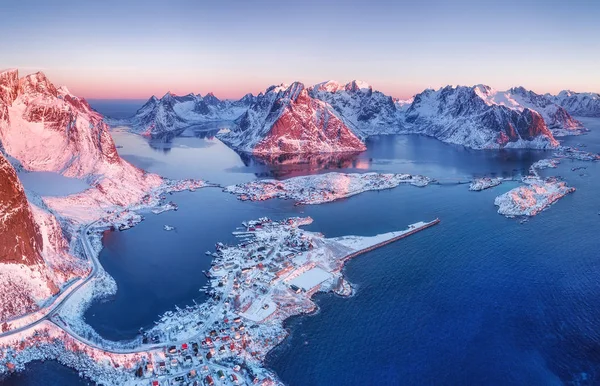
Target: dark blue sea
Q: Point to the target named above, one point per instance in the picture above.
(477, 300)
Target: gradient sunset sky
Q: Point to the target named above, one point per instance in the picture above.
(124, 49)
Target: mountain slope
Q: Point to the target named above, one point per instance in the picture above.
(34, 257)
(465, 116)
(366, 111)
(578, 104)
(287, 120)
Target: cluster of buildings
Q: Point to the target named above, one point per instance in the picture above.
(254, 286)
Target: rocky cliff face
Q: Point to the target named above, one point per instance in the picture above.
(20, 240)
(578, 104)
(287, 120)
(465, 116)
(366, 111)
(34, 256)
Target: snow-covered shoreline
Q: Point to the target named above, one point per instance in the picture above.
(322, 188)
(483, 183)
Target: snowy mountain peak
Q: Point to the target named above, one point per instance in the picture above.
(247, 98)
(329, 86)
(294, 91)
(367, 112)
(211, 99)
(63, 90)
(37, 83)
(286, 120)
(358, 85)
(483, 90)
(277, 88)
(49, 129)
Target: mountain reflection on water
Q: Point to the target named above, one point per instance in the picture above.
(292, 165)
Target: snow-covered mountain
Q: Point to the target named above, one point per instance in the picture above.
(558, 120)
(476, 117)
(34, 257)
(286, 119)
(46, 128)
(366, 111)
(170, 115)
(578, 104)
(471, 116)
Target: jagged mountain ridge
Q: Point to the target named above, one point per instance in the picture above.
(578, 104)
(367, 111)
(170, 115)
(286, 119)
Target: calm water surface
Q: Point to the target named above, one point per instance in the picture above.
(478, 299)
(51, 184)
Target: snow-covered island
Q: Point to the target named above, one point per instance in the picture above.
(254, 286)
(530, 199)
(479, 184)
(549, 163)
(321, 188)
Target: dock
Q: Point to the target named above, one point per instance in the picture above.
(393, 239)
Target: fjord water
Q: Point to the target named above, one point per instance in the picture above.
(477, 299)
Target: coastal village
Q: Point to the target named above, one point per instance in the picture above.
(270, 275)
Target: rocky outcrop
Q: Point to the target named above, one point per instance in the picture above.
(286, 120)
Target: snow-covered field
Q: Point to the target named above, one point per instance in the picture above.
(321, 188)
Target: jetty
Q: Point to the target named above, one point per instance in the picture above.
(412, 229)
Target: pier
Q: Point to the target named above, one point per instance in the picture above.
(393, 239)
